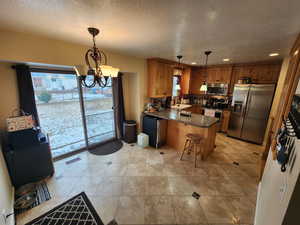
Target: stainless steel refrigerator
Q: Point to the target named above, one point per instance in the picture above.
(250, 108)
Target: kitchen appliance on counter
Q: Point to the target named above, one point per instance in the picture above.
(156, 129)
(217, 89)
(250, 110)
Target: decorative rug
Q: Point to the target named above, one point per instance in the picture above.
(107, 148)
(30, 196)
(75, 211)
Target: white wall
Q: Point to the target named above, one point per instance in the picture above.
(6, 191)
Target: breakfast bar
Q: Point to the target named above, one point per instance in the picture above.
(178, 126)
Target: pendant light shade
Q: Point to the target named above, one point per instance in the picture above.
(203, 87)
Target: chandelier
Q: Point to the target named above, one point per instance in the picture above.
(96, 62)
(204, 85)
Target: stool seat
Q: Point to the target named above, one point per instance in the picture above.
(194, 137)
(193, 143)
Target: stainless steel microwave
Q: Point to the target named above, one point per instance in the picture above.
(217, 89)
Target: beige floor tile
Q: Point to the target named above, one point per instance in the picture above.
(156, 170)
(159, 210)
(188, 210)
(183, 185)
(136, 169)
(176, 169)
(134, 186)
(226, 187)
(243, 209)
(218, 209)
(130, 210)
(115, 169)
(157, 186)
(110, 186)
(213, 170)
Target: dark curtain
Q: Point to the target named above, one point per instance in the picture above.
(26, 92)
(119, 111)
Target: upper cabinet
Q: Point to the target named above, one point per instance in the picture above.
(185, 81)
(219, 74)
(159, 78)
(259, 73)
(213, 74)
(197, 78)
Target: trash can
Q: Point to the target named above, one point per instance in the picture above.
(129, 131)
(143, 140)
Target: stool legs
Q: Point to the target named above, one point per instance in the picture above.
(186, 145)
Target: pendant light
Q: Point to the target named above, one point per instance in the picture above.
(178, 70)
(96, 62)
(204, 85)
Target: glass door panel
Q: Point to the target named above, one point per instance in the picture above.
(99, 114)
(58, 106)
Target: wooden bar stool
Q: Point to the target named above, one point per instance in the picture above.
(193, 143)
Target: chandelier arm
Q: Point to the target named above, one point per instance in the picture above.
(83, 83)
(105, 57)
(101, 83)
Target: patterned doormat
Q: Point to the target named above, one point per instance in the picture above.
(75, 211)
(37, 191)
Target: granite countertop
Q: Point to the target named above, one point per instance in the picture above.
(195, 120)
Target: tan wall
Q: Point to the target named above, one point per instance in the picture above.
(8, 92)
(23, 47)
(130, 98)
(277, 95)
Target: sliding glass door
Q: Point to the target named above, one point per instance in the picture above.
(99, 114)
(71, 116)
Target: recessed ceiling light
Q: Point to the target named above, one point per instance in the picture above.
(296, 52)
(226, 60)
(274, 54)
(193, 63)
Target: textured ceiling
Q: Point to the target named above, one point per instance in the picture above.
(242, 30)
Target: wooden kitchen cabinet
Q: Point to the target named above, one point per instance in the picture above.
(196, 80)
(185, 81)
(160, 75)
(215, 74)
(259, 73)
(225, 120)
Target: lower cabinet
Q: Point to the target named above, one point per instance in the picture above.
(225, 120)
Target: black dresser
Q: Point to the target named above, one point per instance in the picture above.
(28, 156)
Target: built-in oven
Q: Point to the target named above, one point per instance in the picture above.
(217, 89)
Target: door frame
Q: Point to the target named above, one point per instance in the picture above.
(88, 146)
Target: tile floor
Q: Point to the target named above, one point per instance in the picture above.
(142, 186)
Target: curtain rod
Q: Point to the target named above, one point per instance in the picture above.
(47, 69)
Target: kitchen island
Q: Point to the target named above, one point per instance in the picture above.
(179, 126)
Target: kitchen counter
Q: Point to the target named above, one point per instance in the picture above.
(179, 126)
(195, 120)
